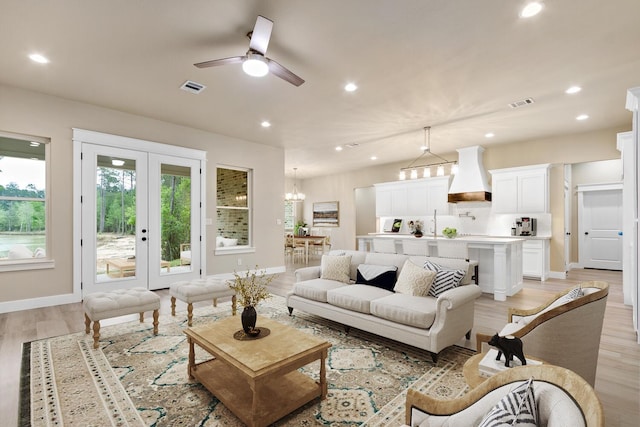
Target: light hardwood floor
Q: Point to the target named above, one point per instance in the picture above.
(618, 376)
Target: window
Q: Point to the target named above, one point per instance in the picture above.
(23, 207)
(289, 215)
(233, 213)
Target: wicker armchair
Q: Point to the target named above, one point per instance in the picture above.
(564, 331)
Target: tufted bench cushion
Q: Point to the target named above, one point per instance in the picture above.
(119, 302)
(190, 291)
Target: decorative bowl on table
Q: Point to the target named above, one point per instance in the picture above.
(450, 232)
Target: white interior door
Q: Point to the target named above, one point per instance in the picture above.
(600, 226)
(141, 218)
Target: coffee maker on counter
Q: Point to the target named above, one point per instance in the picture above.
(524, 226)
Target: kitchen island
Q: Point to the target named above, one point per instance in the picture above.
(499, 258)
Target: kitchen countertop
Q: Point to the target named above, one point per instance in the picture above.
(466, 238)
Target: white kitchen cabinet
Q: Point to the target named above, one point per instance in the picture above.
(535, 259)
(520, 190)
(391, 199)
(438, 192)
(413, 197)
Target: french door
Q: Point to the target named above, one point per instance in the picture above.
(141, 218)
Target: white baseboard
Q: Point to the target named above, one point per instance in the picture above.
(557, 275)
(28, 304)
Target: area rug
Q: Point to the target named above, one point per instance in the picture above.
(138, 379)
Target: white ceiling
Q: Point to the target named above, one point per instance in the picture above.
(452, 65)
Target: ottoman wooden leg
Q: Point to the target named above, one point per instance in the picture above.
(173, 306)
(96, 333)
(87, 323)
(233, 305)
(142, 317)
(189, 313)
(215, 302)
(155, 321)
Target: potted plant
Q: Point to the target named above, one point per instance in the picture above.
(298, 229)
(250, 288)
(417, 228)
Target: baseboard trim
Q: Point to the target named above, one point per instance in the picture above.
(28, 304)
(557, 275)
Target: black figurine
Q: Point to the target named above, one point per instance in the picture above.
(510, 346)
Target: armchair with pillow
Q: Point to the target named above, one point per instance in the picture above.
(565, 331)
(541, 395)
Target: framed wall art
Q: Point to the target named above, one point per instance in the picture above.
(326, 214)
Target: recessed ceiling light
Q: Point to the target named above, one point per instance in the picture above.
(339, 148)
(582, 117)
(350, 87)
(34, 144)
(265, 124)
(374, 158)
(36, 57)
(531, 9)
(489, 135)
(573, 89)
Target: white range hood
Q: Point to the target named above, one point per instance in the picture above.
(470, 183)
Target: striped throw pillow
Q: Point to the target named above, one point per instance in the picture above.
(446, 278)
(518, 408)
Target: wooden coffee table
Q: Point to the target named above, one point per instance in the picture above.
(258, 380)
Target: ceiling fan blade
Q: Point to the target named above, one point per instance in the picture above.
(223, 61)
(261, 35)
(279, 71)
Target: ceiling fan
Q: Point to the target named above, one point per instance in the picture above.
(255, 63)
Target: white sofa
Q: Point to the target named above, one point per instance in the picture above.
(425, 322)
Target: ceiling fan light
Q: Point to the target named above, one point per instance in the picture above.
(255, 65)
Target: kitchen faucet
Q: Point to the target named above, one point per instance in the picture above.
(435, 225)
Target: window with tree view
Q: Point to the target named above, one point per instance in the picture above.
(23, 211)
(233, 207)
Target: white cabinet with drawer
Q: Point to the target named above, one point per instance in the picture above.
(535, 258)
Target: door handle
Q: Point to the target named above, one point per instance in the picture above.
(144, 239)
(567, 233)
(144, 230)
(586, 233)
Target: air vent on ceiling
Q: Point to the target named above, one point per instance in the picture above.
(522, 103)
(352, 145)
(192, 87)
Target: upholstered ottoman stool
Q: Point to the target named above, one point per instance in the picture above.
(119, 302)
(191, 291)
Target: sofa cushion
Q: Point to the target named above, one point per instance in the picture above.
(381, 276)
(355, 297)
(446, 278)
(518, 408)
(386, 259)
(409, 310)
(414, 280)
(336, 267)
(316, 289)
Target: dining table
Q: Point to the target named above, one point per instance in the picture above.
(310, 240)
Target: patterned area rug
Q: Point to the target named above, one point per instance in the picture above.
(137, 379)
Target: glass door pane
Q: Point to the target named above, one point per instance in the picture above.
(114, 231)
(174, 191)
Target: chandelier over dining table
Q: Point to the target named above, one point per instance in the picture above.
(294, 196)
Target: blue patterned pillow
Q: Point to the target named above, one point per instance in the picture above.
(381, 276)
(518, 408)
(446, 278)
